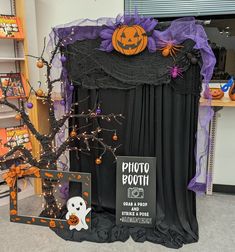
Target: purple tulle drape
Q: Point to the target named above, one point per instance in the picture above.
(179, 30)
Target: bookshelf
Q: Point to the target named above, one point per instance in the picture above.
(2, 60)
(12, 58)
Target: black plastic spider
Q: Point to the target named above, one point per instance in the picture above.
(193, 57)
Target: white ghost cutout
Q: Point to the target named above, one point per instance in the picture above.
(77, 206)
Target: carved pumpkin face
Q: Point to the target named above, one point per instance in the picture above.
(129, 40)
(216, 93)
(73, 220)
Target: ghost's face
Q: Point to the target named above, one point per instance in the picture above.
(76, 204)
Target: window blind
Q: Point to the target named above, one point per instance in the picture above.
(176, 8)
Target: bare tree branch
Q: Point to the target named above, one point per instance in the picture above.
(85, 138)
(25, 152)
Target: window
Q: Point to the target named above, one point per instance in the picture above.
(176, 8)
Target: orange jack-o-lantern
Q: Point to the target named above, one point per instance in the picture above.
(129, 40)
(216, 93)
(73, 220)
(232, 92)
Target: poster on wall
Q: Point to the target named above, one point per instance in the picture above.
(136, 191)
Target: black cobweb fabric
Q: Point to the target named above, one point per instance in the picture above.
(98, 69)
(160, 120)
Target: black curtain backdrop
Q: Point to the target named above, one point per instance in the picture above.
(158, 122)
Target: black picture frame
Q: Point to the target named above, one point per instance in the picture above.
(80, 177)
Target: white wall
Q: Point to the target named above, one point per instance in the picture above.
(31, 33)
(55, 12)
(5, 6)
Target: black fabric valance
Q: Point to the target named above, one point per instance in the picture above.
(91, 68)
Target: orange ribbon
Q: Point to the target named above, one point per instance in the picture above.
(19, 171)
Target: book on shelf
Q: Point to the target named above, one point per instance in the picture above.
(3, 141)
(14, 136)
(13, 85)
(11, 28)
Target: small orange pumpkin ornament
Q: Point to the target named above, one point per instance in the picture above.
(216, 93)
(40, 63)
(39, 92)
(129, 40)
(115, 137)
(73, 220)
(73, 133)
(98, 161)
(18, 117)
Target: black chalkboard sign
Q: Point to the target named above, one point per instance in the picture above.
(136, 191)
